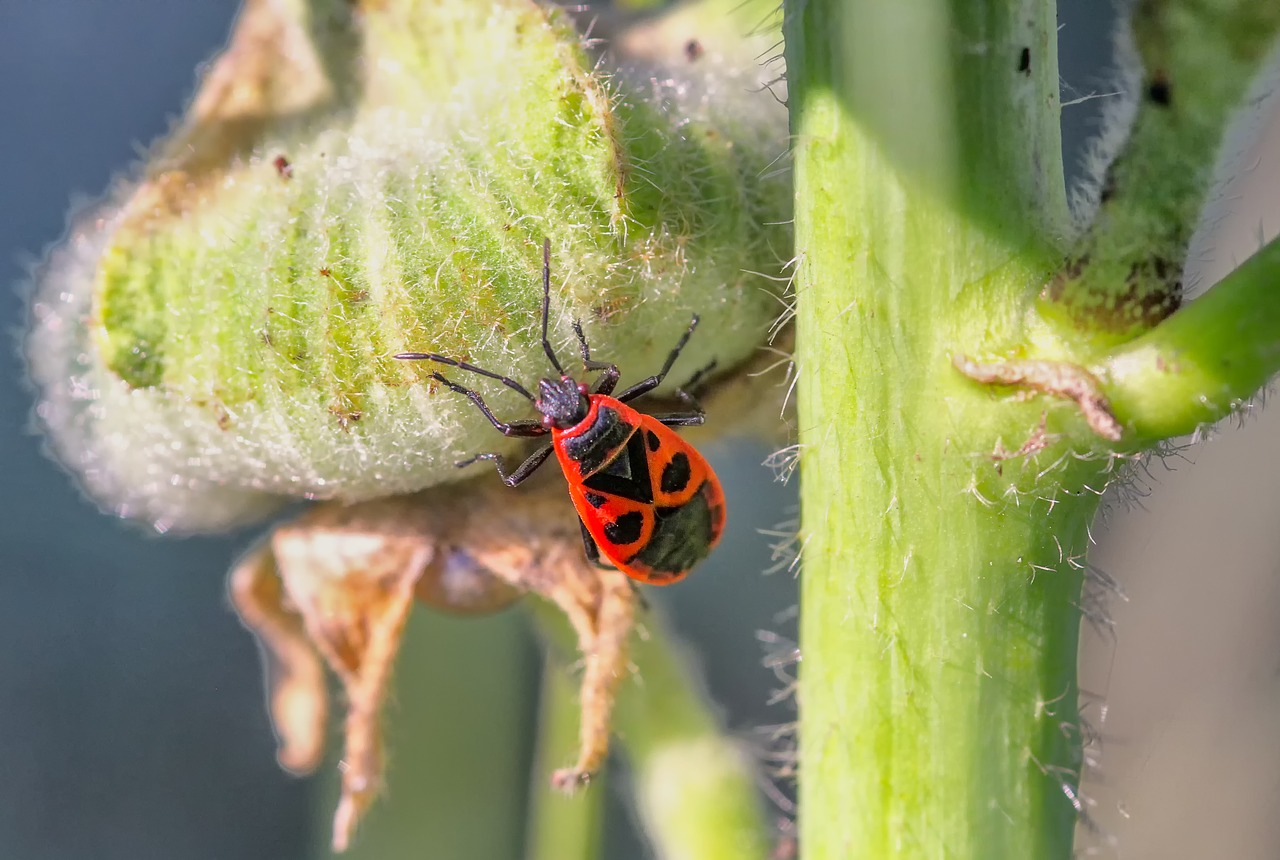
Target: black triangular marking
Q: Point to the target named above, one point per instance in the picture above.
(627, 475)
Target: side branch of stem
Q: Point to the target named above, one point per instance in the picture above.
(1203, 361)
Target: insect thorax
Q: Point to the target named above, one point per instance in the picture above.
(611, 456)
(600, 442)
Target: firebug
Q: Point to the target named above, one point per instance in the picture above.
(647, 501)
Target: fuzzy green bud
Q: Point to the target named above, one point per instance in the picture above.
(353, 181)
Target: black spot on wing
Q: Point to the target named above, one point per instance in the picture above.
(675, 475)
(595, 500)
(625, 529)
(652, 438)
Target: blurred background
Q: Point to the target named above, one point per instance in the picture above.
(132, 722)
(1183, 688)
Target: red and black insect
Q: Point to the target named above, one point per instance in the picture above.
(648, 502)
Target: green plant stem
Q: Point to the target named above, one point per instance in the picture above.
(1201, 362)
(562, 827)
(695, 788)
(939, 614)
(451, 790)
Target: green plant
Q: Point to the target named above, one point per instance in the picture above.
(977, 359)
(358, 179)
(976, 364)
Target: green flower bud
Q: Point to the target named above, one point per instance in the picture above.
(357, 180)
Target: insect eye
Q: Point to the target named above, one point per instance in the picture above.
(582, 388)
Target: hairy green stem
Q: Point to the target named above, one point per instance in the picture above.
(938, 607)
(944, 520)
(695, 788)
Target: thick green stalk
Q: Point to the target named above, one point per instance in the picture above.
(694, 787)
(938, 607)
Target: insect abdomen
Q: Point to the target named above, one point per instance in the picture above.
(681, 537)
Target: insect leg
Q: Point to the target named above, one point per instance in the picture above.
(644, 386)
(641, 600)
(609, 379)
(688, 392)
(467, 366)
(513, 428)
(546, 304)
(695, 416)
(591, 548)
(681, 419)
(523, 471)
(684, 395)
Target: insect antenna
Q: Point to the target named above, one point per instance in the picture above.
(467, 366)
(546, 304)
(546, 344)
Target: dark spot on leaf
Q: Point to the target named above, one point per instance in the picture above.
(1024, 62)
(1160, 90)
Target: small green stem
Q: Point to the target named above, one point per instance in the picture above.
(562, 827)
(1201, 362)
(456, 745)
(695, 788)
